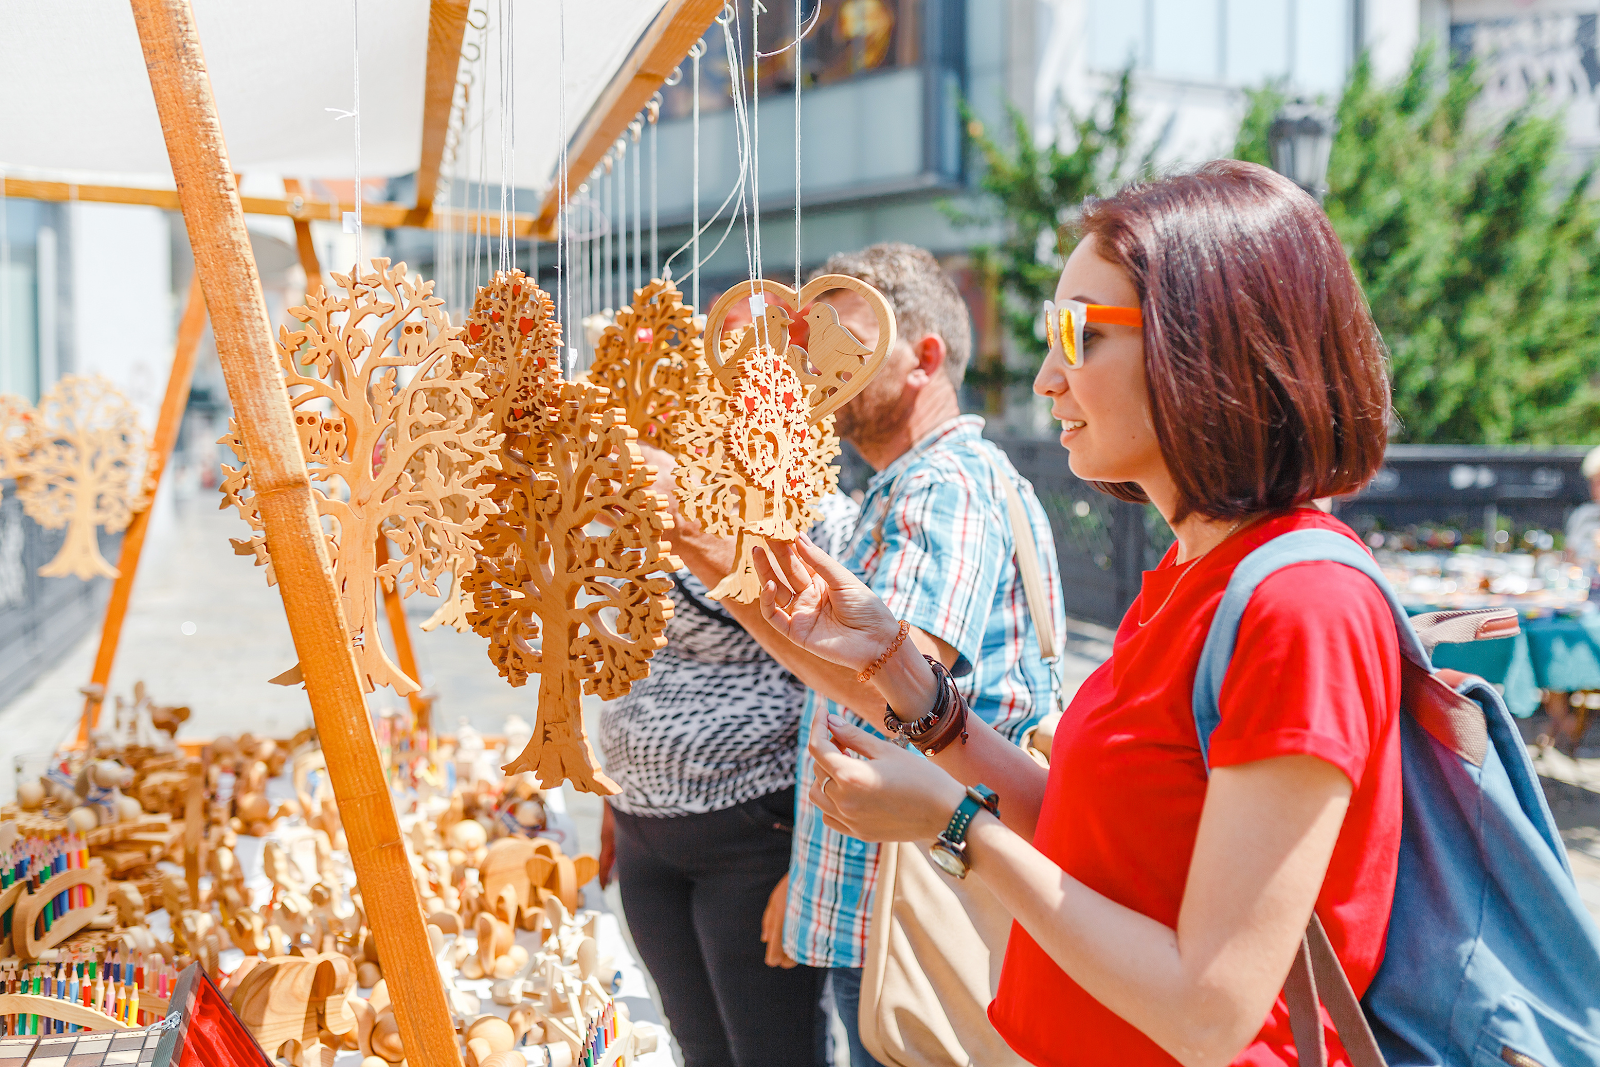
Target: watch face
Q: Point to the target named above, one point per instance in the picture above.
(948, 859)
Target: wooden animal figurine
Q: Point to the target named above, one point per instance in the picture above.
(547, 580)
(287, 1002)
(647, 358)
(88, 454)
(400, 460)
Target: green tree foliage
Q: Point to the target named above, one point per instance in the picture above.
(1037, 189)
(1482, 272)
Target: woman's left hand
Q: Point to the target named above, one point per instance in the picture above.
(891, 795)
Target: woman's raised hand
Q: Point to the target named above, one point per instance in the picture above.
(816, 602)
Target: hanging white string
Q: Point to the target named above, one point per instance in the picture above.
(747, 149)
(481, 237)
(737, 195)
(753, 227)
(637, 128)
(507, 251)
(654, 110)
(563, 192)
(695, 53)
(799, 79)
(354, 113)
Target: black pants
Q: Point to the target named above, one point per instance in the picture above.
(694, 888)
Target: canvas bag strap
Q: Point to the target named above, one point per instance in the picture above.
(1027, 549)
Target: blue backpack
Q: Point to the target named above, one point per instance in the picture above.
(1491, 957)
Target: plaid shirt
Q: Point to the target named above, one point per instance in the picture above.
(934, 541)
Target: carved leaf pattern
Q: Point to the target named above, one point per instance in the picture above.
(391, 456)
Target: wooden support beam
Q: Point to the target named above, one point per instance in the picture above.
(215, 219)
(663, 46)
(300, 208)
(168, 423)
(394, 608)
(447, 26)
(304, 244)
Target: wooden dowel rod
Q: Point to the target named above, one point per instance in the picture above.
(168, 423)
(212, 212)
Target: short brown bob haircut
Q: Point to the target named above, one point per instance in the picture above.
(1268, 379)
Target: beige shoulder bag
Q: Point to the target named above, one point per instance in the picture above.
(928, 977)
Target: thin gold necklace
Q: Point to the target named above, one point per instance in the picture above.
(1189, 566)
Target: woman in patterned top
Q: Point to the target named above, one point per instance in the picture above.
(700, 834)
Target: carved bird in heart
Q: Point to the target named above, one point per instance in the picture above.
(832, 349)
(777, 333)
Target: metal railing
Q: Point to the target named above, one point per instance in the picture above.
(41, 619)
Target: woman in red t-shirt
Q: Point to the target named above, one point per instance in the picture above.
(1228, 372)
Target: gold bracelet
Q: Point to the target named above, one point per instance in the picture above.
(894, 646)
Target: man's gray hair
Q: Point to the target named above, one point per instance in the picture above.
(923, 297)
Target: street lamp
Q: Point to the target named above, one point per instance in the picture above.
(1301, 139)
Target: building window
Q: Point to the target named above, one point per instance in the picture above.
(850, 38)
(19, 298)
(1308, 43)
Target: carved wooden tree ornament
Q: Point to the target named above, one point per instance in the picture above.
(83, 470)
(16, 437)
(563, 585)
(758, 437)
(388, 456)
(647, 360)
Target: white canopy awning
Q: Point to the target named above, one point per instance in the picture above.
(77, 102)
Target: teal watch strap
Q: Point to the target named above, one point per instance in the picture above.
(978, 798)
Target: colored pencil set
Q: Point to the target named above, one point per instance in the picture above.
(111, 985)
(38, 855)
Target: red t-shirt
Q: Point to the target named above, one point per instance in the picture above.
(1316, 671)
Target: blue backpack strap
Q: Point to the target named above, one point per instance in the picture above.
(1300, 546)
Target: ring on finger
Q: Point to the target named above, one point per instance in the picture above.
(826, 781)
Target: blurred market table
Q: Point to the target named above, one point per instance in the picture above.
(1556, 651)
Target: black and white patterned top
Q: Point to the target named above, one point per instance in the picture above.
(717, 722)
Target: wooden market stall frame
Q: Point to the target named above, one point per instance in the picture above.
(226, 282)
(209, 199)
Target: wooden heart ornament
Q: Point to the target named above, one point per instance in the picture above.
(835, 365)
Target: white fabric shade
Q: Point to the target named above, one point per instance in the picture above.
(77, 101)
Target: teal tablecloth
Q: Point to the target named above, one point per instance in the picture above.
(1555, 652)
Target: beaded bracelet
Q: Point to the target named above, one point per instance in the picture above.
(944, 722)
(894, 646)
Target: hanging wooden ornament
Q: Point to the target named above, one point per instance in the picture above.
(83, 470)
(510, 315)
(390, 457)
(834, 365)
(753, 464)
(16, 437)
(563, 585)
(647, 360)
(758, 435)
